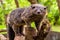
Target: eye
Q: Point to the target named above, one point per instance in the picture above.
(45, 8)
(33, 7)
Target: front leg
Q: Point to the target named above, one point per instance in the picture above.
(20, 30)
(10, 32)
(15, 29)
(46, 27)
(37, 23)
(44, 30)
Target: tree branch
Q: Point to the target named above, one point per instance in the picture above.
(3, 30)
(17, 4)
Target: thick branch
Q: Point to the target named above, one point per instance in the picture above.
(17, 4)
(3, 30)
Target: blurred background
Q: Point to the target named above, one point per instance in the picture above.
(6, 6)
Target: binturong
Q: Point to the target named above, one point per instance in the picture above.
(24, 16)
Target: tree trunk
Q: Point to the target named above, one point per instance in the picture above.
(17, 4)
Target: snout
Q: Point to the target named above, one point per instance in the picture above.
(38, 12)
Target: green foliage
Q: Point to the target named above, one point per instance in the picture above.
(58, 22)
(56, 28)
(33, 25)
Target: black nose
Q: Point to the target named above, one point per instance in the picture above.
(38, 12)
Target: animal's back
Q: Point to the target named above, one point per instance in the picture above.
(15, 16)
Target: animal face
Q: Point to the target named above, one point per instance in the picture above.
(38, 9)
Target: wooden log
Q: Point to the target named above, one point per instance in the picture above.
(2, 37)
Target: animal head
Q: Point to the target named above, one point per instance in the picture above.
(38, 9)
